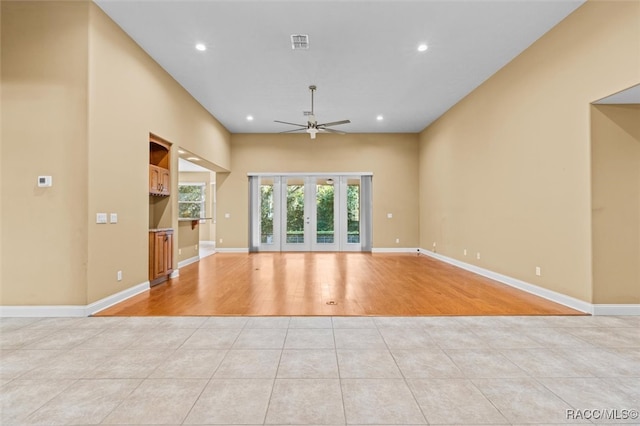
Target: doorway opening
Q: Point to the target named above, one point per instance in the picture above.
(319, 212)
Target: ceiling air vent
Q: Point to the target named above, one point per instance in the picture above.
(299, 41)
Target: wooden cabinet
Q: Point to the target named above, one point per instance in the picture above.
(160, 255)
(159, 167)
(159, 181)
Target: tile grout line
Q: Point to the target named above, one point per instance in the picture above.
(335, 353)
(275, 376)
(404, 379)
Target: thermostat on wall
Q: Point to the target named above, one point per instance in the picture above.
(44, 181)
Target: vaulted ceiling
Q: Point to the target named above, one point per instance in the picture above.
(363, 55)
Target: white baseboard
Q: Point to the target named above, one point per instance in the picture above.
(175, 273)
(551, 295)
(73, 310)
(604, 309)
(186, 262)
(233, 250)
(395, 250)
(44, 311)
(108, 301)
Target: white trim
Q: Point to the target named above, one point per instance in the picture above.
(44, 311)
(310, 174)
(108, 301)
(174, 274)
(232, 250)
(395, 250)
(186, 262)
(560, 298)
(73, 310)
(608, 309)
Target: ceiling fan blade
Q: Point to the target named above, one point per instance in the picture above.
(295, 130)
(293, 124)
(324, 129)
(335, 123)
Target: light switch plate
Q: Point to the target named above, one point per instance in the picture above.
(113, 218)
(101, 218)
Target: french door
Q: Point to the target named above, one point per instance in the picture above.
(309, 213)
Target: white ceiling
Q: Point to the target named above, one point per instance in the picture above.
(363, 55)
(628, 96)
(188, 166)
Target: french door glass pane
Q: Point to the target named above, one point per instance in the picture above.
(266, 211)
(295, 211)
(353, 210)
(325, 232)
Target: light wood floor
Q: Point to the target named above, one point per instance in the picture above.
(358, 284)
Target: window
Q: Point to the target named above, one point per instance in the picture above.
(191, 200)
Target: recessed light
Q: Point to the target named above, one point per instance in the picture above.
(422, 48)
(201, 47)
(193, 159)
(380, 118)
(249, 117)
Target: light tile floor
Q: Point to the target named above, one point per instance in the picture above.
(319, 370)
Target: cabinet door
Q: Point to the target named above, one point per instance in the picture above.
(165, 181)
(160, 267)
(168, 253)
(155, 180)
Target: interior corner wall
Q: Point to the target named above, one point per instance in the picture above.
(393, 159)
(615, 159)
(130, 96)
(506, 172)
(44, 131)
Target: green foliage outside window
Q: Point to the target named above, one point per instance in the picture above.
(295, 212)
(191, 201)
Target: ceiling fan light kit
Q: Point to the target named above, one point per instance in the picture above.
(312, 127)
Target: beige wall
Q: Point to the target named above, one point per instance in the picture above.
(188, 241)
(1, 180)
(79, 100)
(130, 96)
(391, 157)
(44, 132)
(506, 172)
(615, 183)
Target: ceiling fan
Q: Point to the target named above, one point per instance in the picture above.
(312, 127)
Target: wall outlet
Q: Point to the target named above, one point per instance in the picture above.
(478, 255)
(113, 218)
(538, 271)
(45, 181)
(389, 215)
(196, 247)
(119, 275)
(227, 215)
(179, 251)
(397, 240)
(464, 252)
